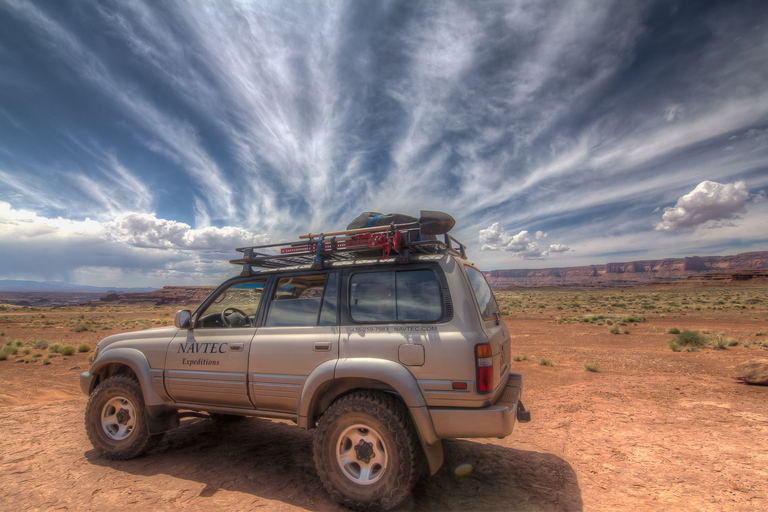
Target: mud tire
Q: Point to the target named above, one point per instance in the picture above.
(116, 394)
(390, 424)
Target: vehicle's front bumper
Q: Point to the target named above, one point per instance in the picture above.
(496, 420)
(86, 383)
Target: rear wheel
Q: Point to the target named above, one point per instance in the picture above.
(115, 421)
(366, 451)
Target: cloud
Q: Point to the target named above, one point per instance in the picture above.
(138, 242)
(521, 245)
(709, 201)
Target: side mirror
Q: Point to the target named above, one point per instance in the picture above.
(182, 318)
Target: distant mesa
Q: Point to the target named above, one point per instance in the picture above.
(740, 267)
(12, 285)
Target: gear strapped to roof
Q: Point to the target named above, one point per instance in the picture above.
(365, 244)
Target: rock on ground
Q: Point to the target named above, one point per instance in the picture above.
(754, 371)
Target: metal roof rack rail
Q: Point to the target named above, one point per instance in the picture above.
(365, 244)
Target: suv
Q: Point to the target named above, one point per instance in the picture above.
(385, 340)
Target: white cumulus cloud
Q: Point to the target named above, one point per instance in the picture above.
(140, 243)
(522, 245)
(709, 201)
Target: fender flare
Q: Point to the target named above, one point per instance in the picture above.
(137, 362)
(392, 375)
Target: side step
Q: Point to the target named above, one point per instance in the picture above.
(523, 416)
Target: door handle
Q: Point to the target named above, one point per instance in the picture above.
(235, 347)
(322, 346)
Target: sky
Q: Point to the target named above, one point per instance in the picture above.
(141, 142)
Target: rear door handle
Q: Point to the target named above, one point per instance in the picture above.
(235, 347)
(322, 346)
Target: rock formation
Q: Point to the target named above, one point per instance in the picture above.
(749, 264)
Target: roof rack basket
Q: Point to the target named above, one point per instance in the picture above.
(378, 243)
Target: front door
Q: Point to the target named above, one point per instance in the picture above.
(300, 332)
(208, 364)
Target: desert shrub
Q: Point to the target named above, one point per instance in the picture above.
(79, 328)
(19, 343)
(614, 330)
(545, 362)
(26, 351)
(627, 331)
(592, 367)
(674, 330)
(691, 339)
(40, 344)
(523, 357)
(733, 343)
(83, 348)
(674, 346)
(6, 352)
(46, 361)
(55, 348)
(90, 358)
(67, 350)
(760, 334)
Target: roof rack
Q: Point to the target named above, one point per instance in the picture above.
(321, 250)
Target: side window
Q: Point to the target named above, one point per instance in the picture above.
(483, 294)
(372, 297)
(418, 296)
(236, 306)
(297, 302)
(399, 296)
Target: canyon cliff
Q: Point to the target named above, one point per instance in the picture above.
(633, 272)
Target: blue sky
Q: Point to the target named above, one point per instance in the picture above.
(141, 142)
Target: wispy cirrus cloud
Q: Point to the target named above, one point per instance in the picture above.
(573, 119)
(174, 138)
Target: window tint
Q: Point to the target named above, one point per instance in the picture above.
(483, 293)
(404, 296)
(372, 297)
(418, 296)
(296, 301)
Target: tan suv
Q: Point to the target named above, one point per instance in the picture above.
(384, 340)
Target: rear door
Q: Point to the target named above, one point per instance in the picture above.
(300, 331)
(208, 364)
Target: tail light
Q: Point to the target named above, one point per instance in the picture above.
(484, 368)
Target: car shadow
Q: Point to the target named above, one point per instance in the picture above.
(273, 460)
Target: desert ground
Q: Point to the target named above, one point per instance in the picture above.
(619, 420)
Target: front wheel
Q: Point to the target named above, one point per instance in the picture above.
(115, 421)
(366, 451)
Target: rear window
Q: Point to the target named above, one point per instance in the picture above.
(395, 296)
(483, 293)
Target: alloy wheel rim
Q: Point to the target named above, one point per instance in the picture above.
(118, 418)
(361, 454)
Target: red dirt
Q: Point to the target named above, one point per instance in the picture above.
(653, 430)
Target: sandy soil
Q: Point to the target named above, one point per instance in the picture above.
(653, 430)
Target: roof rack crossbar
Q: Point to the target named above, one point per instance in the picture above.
(368, 245)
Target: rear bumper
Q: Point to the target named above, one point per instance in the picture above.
(496, 420)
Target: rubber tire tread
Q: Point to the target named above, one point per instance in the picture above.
(406, 455)
(141, 439)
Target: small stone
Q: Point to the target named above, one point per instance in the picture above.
(754, 371)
